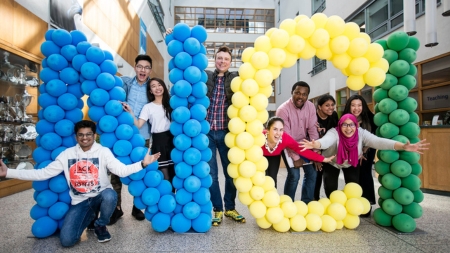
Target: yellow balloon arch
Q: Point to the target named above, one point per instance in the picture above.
(329, 38)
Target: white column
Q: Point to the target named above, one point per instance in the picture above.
(430, 24)
(409, 17)
(446, 11)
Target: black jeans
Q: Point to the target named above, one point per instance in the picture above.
(274, 166)
(331, 177)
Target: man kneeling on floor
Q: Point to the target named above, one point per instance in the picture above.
(85, 168)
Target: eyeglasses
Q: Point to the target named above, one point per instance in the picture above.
(88, 135)
(351, 125)
(140, 67)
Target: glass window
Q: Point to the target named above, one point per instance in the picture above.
(377, 13)
(436, 98)
(366, 93)
(318, 6)
(396, 6)
(435, 72)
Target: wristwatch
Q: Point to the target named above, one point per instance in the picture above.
(142, 164)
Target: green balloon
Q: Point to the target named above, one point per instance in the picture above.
(391, 207)
(398, 40)
(383, 43)
(388, 130)
(388, 83)
(377, 132)
(391, 182)
(416, 169)
(400, 138)
(412, 70)
(410, 130)
(409, 104)
(380, 177)
(398, 92)
(380, 201)
(414, 118)
(408, 54)
(380, 118)
(414, 140)
(401, 168)
(412, 182)
(382, 218)
(399, 117)
(410, 157)
(387, 105)
(382, 168)
(375, 108)
(399, 68)
(418, 196)
(390, 55)
(404, 223)
(403, 196)
(409, 81)
(379, 95)
(388, 156)
(413, 43)
(414, 210)
(384, 193)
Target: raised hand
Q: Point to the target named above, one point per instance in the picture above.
(3, 169)
(328, 159)
(305, 144)
(126, 107)
(416, 147)
(148, 159)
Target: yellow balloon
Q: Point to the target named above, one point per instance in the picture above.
(316, 207)
(308, 52)
(247, 169)
(263, 77)
(279, 38)
(259, 178)
(339, 224)
(259, 139)
(374, 77)
(230, 140)
(289, 209)
(263, 115)
(351, 30)
(266, 91)
(374, 52)
(232, 111)
(274, 214)
(366, 205)
(257, 209)
(288, 25)
(295, 45)
(240, 100)
(382, 64)
(249, 87)
(299, 17)
(351, 221)
(246, 71)
(236, 154)
(259, 60)
(358, 47)
(337, 211)
(254, 153)
(341, 61)
(339, 44)
(290, 60)
(236, 84)
(338, 196)
(328, 223)
(236, 125)
(270, 31)
(262, 164)
(275, 70)
(335, 26)
(352, 190)
(243, 184)
(248, 113)
(285, 198)
(298, 223)
(247, 54)
(357, 66)
(263, 223)
(355, 82)
(354, 206)
(257, 192)
(313, 222)
(345, 71)
(244, 140)
(325, 202)
(269, 184)
(283, 225)
(276, 56)
(324, 53)
(259, 101)
(365, 36)
(245, 198)
(319, 38)
(302, 208)
(232, 170)
(305, 28)
(262, 43)
(319, 19)
(254, 128)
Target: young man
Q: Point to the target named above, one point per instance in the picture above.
(85, 167)
(299, 117)
(136, 90)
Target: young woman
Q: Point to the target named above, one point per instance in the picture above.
(158, 112)
(327, 118)
(346, 141)
(277, 141)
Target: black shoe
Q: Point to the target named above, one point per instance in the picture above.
(102, 234)
(138, 214)
(116, 215)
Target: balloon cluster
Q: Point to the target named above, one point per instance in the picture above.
(192, 205)
(398, 171)
(61, 105)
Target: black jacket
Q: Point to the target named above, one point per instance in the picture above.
(212, 82)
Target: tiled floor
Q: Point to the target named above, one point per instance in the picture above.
(129, 235)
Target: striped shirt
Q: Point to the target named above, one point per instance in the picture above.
(217, 112)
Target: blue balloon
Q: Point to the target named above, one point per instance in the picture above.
(202, 196)
(56, 87)
(43, 126)
(105, 81)
(78, 61)
(200, 61)
(153, 208)
(108, 55)
(206, 181)
(152, 179)
(46, 198)
(192, 74)
(174, 47)
(123, 159)
(198, 112)
(150, 196)
(191, 99)
(180, 224)
(182, 89)
(44, 227)
(77, 37)
(57, 151)
(99, 97)
(83, 46)
(137, 140)
(200, 142)
(167, 203)
(125, 180)
(192, 128)
(153, 167)
(37, 212)
(192, 184)
(47, 74)
(75, 89)
(182, 60)
(43, 164)
(136, 188)
(40, 185)
(69, 75)
(175, 102)
(182, 142)
(191, 210)
(206, 155)
(149, 216)
(192, 156)
(199, 32)
(183, 170)
(50, 141)
(90, 70)
(108, 66)
(119, 81)
(126, 118)
(41, 154)
(95, 113)
(176, 128)
(137, 201)
(122, 148)
(48, 48)
(175, 75)
(164, 187)
(54, 113)
(65, 197)
(114, 108)
(58, 210)
(108, 139)
(201, 169)
(205, 126)
(124, 132)
(117, 93)
(64, 127)
(108, 124)
(42, 89)
(178, 209)
(46, 100)
(183, 197)
(69, 141)
(191, 46)
(161, 222)
(69, 51)
(74, 115)
(203, 101)
(95, 55)
(202, 223)
(68, 101)
(168, 38)
(57, 62)
(176, 155)
(138, 154)
(202, 49)
(204, 76)
(137, 175)
(61, 37)
(171, 64)
(181, 114)
(48, 34)
(181, 32)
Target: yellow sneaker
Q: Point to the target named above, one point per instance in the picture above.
(233, 214)
(217, 218)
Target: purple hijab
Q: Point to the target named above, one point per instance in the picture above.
(348, 146)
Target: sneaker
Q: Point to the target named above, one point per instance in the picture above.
(233, 214)
(102, 233)
(116, 215)
(217, 218)
(137, 213)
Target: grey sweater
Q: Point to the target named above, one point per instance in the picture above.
(329, 144)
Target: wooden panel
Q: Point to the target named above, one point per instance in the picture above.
(6, 28)
(12, 186)
(158, 60)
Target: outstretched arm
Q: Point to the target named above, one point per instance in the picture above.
(3, 169)
(148, 159)
(416, 147)
(137, 122)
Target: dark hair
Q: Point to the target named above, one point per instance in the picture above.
(324, 99)
(272, 120)
(165, 98)
(85, 124)
(143, 57)
(301, 84)
(365, 115)
(223, 49)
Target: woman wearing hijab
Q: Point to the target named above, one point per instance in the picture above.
(346, 141)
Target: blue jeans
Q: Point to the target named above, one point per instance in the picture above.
(309, 182)
(217, 141)
(80, 215)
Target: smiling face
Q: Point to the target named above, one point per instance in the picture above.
(143, 69)
(85, 138)
(275, 132)
(327, 108)
(223, 61)
(348, 128)
(156, 88)
(300, 96)
(356, 107)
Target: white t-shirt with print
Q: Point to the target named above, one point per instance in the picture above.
(156, 115)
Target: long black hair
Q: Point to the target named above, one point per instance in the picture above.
(165, 98)
(272, 120)
(366, 115)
